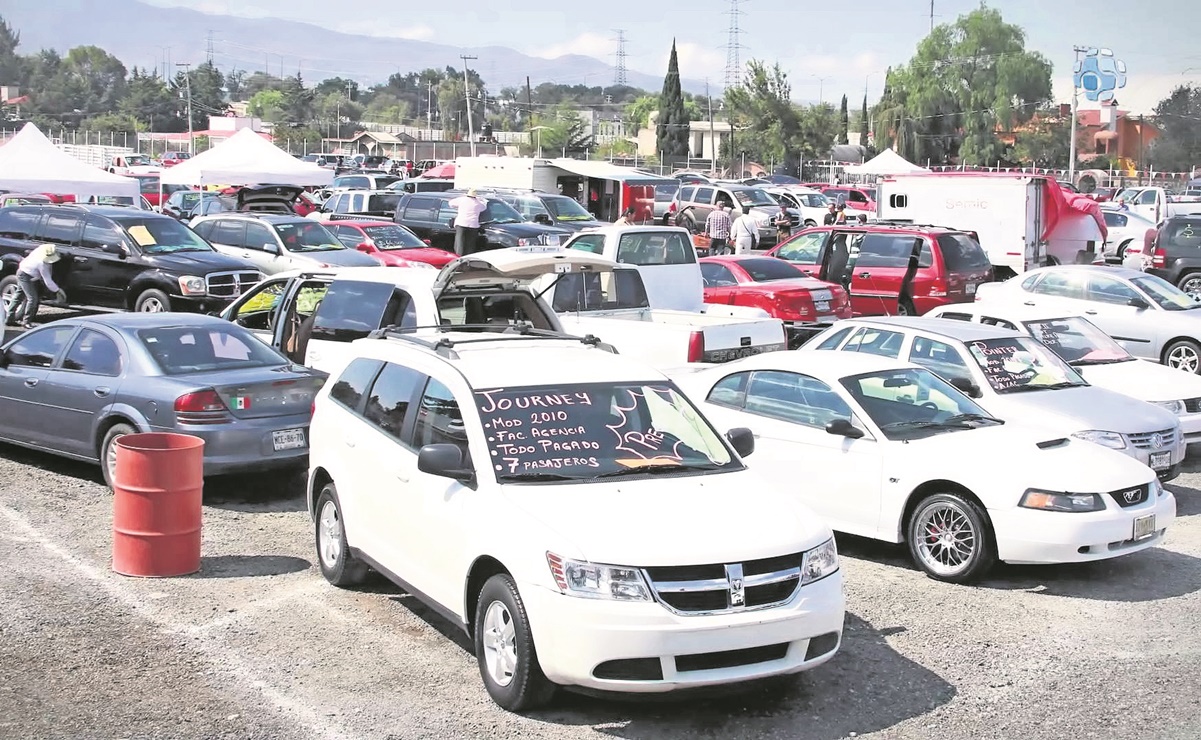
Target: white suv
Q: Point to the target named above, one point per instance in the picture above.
(572, 511)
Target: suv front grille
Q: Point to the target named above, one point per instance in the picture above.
(726, 587)
(1166, 439)
(1132, 496)
(230, 284)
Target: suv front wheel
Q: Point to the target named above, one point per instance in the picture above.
(152, 301)
(504, 647)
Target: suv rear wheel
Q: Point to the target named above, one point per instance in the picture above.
(338, 564)
(1190, 283)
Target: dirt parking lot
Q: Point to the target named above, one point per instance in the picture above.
(258, 645)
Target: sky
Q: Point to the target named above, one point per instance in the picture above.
(828, 48)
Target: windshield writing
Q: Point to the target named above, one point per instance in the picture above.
(163, 235)
(1017, 363)
(1078, 342)
(582, 432)
(307, 236)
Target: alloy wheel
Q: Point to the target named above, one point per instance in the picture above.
(152, 305)
(1183, 357)
(948, 541)
(500, 644)
(329, 535)
(1192, 286)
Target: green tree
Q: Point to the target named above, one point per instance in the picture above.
(768, 124)
(96, 77)
(968, 80)
(297, 104)
(387, 108)
(151, 102)
(117, 123)
(339, 85)
(672, 136)
(267, 105)
(1178, 118)
(562, 131)
(638, 113)
(208, 99)
(256, 82)
(12, 67)
(864, 123)
(1044, 141)
(844, 123)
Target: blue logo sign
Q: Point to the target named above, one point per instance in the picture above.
(1099, 74)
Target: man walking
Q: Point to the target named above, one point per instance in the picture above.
(32, 273)
(467, 222)
(744, 234)
(717, 228)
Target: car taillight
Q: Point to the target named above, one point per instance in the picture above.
(671, 207)
(1159, 257)
(696, 346)
(791, 307)
(201, 407)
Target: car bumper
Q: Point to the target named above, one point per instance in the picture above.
(574, 637)
(1176, 456)
(1042, 537)
(199, 304)
(245, 445)
(1190, 427)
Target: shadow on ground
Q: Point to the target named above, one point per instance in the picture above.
(249, 566)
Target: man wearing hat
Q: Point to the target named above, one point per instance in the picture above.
(32, 273)
(467, 222)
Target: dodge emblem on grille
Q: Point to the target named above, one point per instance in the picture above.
(1131, 496)
(737, 588)
(1156, 441)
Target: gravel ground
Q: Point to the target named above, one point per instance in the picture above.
(258, 645)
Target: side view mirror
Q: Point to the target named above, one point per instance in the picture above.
(364, 247)
(542, 218)
(444, 461)
(1138, 303)
(843, 428)
(271, 248)
(968, 387)
(427, 241)
(742, 440)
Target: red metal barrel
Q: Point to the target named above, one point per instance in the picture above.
(157, 507)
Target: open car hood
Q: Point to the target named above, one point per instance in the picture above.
(516, 267)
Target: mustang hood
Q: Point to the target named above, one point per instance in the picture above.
(674, 520)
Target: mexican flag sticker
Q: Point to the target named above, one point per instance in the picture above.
(241, 403)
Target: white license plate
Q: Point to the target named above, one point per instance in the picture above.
(822, 306)
(821, 295)
(1161, 460)
(288, 439)
(1144, 527)
(970, 289)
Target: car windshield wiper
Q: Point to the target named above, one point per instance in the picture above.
(654, 470)
(1109, 361)
(1050, 387)
(921, 424)
(968, 418)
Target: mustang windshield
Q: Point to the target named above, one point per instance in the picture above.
(1078, 342)
(914, 402)
(1016, 364)
(582, 432)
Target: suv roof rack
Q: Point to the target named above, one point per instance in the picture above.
(912, 225)
(444, 346)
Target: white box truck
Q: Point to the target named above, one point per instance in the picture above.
(1022, 221)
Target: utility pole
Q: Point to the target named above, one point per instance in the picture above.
(187, 76)
(1078, 50)
(931, 16)
(712, 137)
(429, 111)
(467, 97)
(1140, 149)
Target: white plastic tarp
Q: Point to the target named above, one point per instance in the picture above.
(887, 162)
(31, 163)
(246, 158)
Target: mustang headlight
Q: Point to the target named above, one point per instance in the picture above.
(1176, 407)
(594, 581)
(819, 562)
(1112, 440)
(1066, 502)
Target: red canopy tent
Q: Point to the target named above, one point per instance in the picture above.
(444, 171)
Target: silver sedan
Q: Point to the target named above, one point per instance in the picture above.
(73, 387)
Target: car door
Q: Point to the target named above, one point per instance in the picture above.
(104, 265)
(789, 413)
(720, 284)
(1109, 307)
(62, 229)
(882, 273)
(701, 206)
(805, 251)
(227, 235)
(262, 249)
(349, 464)
(259, 308)
(1063, 290)
(839, 265)
(420, 214)
(24, 402)
(1147, 205)
(87, 380)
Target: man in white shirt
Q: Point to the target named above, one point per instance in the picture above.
(467, 221)
(32, 273)
(744, 233)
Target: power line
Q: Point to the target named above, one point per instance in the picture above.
(734, 45)
(621, 75)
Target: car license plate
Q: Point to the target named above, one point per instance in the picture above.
(288, 439)
(822, 306)
(552, 240)
(970, 289)
(1161, 460)
(821, 295)
(1144, 527)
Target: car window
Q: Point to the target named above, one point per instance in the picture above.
(257, 237)
(886, 250)
(655, 248)
(391, 236)
(99, 233)
(835, 339)
(1147, 198)
(686, 194)
(183, 349)
(767, 269)
(204, 230)
(39, 348)
(876, 342)
(1109, 290)
(703, 196)
(1061, 284)
(388, 402)
(939, 357)
(961, 253)
(351, 387)
(421, 209)
(1114, 219)
(1016, 364)
(93, 353)
(16, 223)
(439, 419)
(60, 228)
(352, 309)
(730, 390)
(795, 398)
(955, 316)
(994, 321)
(717, 276)
(594, 243)
(161, 235)
(346, 234)
(592, 291)
(304, 236)
(804, 249)
(908, 403)
(1186, 235)
(228, 232)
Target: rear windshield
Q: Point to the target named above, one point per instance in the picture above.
(1185, 234)
(655, 248)
(187, 349)
(383, 203)
(665, 193)
(766, 270)
(961, 253)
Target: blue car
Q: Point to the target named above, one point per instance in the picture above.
(73, 387)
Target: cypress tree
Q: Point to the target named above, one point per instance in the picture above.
(844, 123)
(864, 125)
(672, 136)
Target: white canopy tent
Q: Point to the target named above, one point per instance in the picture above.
(246, 158)
(887, 162)
(30, 163)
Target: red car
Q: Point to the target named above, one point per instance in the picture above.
(782, 289)
(390, 243)
(170, 159)
(861, 198)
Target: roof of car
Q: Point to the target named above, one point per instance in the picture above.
(1124, 273)
(271, 218)
(962, 331)
(1010, 311)
(362, 222)
(837, 364)
(139, 320)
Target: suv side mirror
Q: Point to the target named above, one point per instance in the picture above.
(742, 440)
(1138, 303)
(542, 218)
(271, 248)
(843, 428)
(444, 461)
(968, 387)
(116, 249)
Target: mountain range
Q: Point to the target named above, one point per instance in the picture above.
(147, 36)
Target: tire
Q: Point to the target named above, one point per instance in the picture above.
(338, 564)
(810, 223)
(1122, 249)
(152, 300)
(940, 517)
(1189, 282)
(905, 308)
(1183, 354)
(504, 649)
(10, 291)
(108, 450)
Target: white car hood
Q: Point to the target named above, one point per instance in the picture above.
(1144, 380)
(1079, 409)
(673, 520)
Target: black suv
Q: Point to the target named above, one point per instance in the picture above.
(550, 209)
(431, 217)
(122, 258)
(1176, 253)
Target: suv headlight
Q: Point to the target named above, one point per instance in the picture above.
(192, 285)
(1112, 440)
(527, 242)
(1176, 407)
(1033, 498)
(819, 562)
(594, 581)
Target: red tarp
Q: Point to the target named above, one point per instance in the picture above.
(1059, 200)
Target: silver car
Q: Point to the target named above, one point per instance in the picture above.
(73, 387)
(278, 242)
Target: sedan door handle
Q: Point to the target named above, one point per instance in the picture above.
(865, 274)
(31, 382)
(1028, 303)
(101, 392)
(81, 259)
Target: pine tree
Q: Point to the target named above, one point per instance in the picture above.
(672, 137)
(864, 124)
(844, 123)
